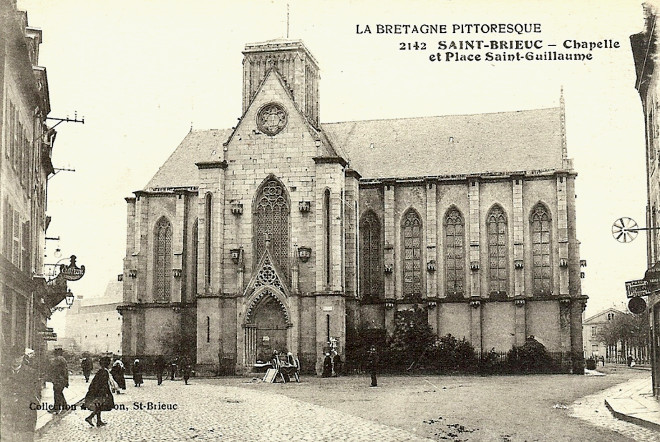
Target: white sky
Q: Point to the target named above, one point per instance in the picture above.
(140, 71)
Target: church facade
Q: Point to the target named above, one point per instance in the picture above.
(287, 234)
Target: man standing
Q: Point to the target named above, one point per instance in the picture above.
(160, 367)
(372, 363)
(86, 365)
(60, 378)
(186, 369)
(173, 367)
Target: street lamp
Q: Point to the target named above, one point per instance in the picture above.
(69, 298)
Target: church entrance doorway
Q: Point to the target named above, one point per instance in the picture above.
(268, 329)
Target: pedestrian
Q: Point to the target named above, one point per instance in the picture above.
(59, 375)
(327, 366)
(630, 359)
(173, 367)
(21, 395)
(117, 371)
(602, 360)
(137, 373)
(372, 363)
(160, 367)
(99, 397)
(336, 363)
(186, 369)
(86, 365)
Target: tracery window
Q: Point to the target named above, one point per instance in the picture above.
(411, 227)
(497, 253)
(162, 260)
(271, 222)
(371, 270)
(454, 252)
(541, 270)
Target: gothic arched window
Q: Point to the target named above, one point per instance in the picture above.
(162, 260)
(498, 275)
(454, 252)
(411, 231)
(271, 221)
(371, 270)
(541, 270)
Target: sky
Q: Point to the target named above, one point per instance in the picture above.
(143, 72)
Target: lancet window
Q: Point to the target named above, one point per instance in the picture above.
(371, 270)
(411, 227)
(454, 252)
(497, 250)
(162, 260)
(271, 224)
(541, 270)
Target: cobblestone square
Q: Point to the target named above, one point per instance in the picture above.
(457, 408)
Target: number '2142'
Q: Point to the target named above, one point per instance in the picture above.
(416, 46)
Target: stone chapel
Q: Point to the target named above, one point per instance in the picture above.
(285, 233)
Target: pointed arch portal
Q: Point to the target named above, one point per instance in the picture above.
(267, 325)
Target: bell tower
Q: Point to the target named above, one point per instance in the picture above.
(295, 64)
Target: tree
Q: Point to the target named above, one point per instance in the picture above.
(174, 342)
(411, 339)
(629, 332)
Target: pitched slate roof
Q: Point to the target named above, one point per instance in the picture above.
(408, 147)
(179, 170)
(452, 144)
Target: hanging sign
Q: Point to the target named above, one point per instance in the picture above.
(636, 288)
(72, 272)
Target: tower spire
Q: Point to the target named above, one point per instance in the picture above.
(287, 20)
(562, 117)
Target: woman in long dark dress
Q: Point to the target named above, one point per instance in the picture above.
(99, 397)
(117, 372)
(327, 366)
(137, 373)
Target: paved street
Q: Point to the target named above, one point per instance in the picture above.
(219, 412)
(593, 410)
(456, 408)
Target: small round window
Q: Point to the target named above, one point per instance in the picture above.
(271, 119)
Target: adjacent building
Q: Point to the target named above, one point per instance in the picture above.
(593, 336)
(26, 146)
(645, 54)
(94, 324)
(286, 233)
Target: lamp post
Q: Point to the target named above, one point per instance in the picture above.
(69, 298)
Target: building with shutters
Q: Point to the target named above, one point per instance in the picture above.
(285, 233)
(26, 146)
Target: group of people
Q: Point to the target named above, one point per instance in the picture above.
(331, 364)
(108, 380)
